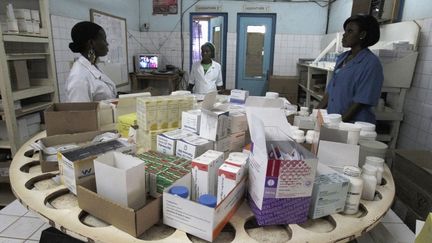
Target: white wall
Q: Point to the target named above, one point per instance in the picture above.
(339, 12)
(416, 9)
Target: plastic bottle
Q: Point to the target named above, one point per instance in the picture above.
(304, 111)
(378, 163)
(208, 200)
(180, 191)
(299, 136)
(369, 182)
(354, 190)
(353, 132)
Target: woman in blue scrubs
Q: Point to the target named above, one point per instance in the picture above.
(358, 76)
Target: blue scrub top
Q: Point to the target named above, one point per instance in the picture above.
(359, 81)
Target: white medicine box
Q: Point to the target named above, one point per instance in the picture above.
(120, 178)
(166, 142)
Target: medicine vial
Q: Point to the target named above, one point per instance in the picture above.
(354, 190)
(180, 191)
(208, 200)
(369, 182)
(378, 163)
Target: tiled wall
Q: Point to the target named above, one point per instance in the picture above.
(416, 129)
(288, 49)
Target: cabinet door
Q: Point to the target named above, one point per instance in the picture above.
(361, 7)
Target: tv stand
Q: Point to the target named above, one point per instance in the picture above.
(163, 82)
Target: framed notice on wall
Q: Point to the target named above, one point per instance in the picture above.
(165, 7)
(115, 63)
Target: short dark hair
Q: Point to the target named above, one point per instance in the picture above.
(211, 47)
(366, 23)
(81, 33)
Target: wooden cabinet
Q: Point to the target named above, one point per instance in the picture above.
(29, 57)
(386, 11)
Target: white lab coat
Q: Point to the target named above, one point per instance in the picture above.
(205, 83)
(87, 83)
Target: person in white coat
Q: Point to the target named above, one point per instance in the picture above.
(86, 82)
(206, 75)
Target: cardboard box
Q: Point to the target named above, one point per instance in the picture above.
(238, 96)
(56, 140)
(228, 178)
(214, 124)
(237, 122)
(147, 113)
(223, 144)
(329, 192)
(283, 84)
(124, 122)
(192, 147)
(237, 141)
(191, 121)
(77, 165)
(204, 173)
(279, 189)
(214, 120)
(167, 141)
(120, 178)
(197, 219)
(133, 222)
(304, 122)
(337, 155)
(66, 118)
(412, 173)
(19, 75)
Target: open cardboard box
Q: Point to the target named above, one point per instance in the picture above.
(77, 164)
(65, 118)
(133, 222)
(76, 138)
(197, 219)
(279, 189)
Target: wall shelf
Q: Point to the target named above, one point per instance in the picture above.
(26, 56)
(32, 91)
(25, 38)
(36, 49)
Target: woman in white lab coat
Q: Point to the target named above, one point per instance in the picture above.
(206, 75)
(86, 82)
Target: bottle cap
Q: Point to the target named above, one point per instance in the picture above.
(366, 126)
(369, 170)
(353, 171)
(375, 161)
(208, 200)
(180, 191)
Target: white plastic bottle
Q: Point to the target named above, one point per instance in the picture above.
(378, 163)
(369, 182)
(354, 190)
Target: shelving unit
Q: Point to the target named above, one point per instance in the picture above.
(37, 51)
(398, 75)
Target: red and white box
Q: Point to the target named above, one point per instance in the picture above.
(228, 178)
(204, 173)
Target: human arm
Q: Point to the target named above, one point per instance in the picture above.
(324, 101)
(352, 111)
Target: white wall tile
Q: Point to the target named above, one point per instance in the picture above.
(6, 221)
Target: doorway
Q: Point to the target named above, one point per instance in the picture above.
(255, 48)
(209, 27)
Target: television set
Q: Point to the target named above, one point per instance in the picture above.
(146, 63)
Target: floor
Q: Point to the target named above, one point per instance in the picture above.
(17, 224)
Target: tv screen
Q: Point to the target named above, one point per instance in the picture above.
(146, 62)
